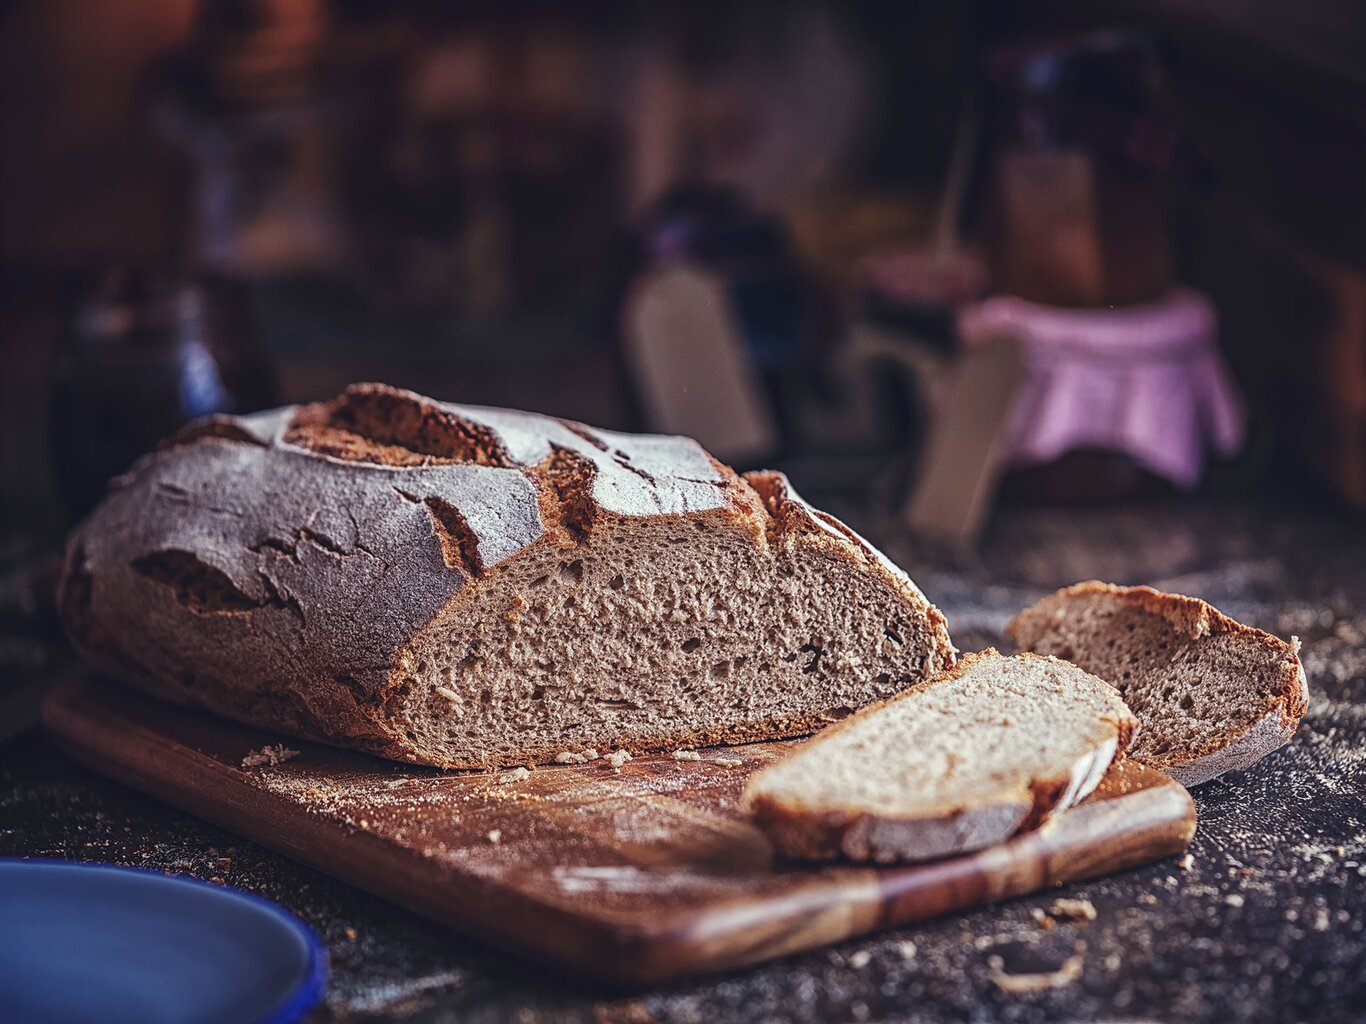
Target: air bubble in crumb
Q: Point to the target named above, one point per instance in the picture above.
(687, 755)
(496, 836)
(271, 754)
(617, 758)
(516, 775)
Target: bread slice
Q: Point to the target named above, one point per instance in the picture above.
(473, 588)
(955, 764)
(1213, 695)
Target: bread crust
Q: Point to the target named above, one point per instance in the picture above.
(803, 833)
(277, 568)
(1190, 618)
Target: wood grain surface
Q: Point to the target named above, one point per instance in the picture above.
(636, 876)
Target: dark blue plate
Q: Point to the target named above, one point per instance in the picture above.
(90, 942)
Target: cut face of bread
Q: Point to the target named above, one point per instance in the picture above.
(1213, 695)
(955, 764)
(652, 634)
(473, 588)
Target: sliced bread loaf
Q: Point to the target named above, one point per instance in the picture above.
(1213, 695)
(957, 763)
(471, 587)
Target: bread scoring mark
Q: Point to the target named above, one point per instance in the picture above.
(583, 433)
(172, 492)
(570, 477)
(203, 590)
(386, 426)
(619, 457)
(768, 487)
(280, 599)
(289, 548)
(789, 515)
(351, 685)
(222, 428)
(459, 545)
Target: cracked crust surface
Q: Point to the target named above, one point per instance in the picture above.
(1214, 695)
(309, 569)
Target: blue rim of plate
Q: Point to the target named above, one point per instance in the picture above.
(310, 991)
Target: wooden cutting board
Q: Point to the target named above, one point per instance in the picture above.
(640, 875)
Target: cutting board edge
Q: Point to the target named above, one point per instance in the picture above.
(621, 952)
(1163, 824)
(593, 944)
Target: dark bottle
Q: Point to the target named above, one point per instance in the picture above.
(144, 355)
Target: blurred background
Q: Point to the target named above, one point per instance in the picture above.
(955, 267)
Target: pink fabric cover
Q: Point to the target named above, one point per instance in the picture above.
(1145, 380)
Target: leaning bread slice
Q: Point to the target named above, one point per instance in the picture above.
(1213, 695)
(955, 764)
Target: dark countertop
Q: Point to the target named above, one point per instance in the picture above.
(1265, 922)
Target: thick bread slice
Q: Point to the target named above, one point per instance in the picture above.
(954, 764)
(471, 588)
(1213, 695)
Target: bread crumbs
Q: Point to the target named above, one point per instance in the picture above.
(496, 836)
(617, 758)
(516, 775)
(687, 755)
(571, 757)
(271, 754)
(1016, 984)
(728, 762)
(1073, 910)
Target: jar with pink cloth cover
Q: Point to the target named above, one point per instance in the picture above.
(1144, 381)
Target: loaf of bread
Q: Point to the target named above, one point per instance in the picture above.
(955, 764)
(1213, 694)
(473, 588)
